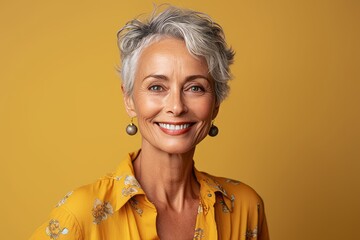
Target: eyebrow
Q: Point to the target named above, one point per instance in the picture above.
(157, 76)
(163, 77)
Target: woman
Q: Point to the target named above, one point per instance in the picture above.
(175, 69)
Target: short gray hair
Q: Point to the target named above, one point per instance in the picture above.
(202, 37)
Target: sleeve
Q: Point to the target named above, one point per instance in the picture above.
(263, 233)
(61, 225)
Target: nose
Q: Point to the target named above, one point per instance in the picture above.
(175, 103)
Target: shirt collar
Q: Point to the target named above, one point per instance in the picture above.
(211, 189)
(127, 186)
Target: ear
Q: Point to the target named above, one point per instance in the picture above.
(129, 103)
(216, 110)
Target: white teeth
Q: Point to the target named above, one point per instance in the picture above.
(174, 127)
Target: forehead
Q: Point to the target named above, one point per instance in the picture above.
(168, 55)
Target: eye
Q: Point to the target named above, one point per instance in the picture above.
(196, 89)
(156, 88)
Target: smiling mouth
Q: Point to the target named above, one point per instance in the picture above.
(174, 126)
(175, 129)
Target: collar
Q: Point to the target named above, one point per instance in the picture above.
(127, 186)
(212, 192)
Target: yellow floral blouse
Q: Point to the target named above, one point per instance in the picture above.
(115, 207)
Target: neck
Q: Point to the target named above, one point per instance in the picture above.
(167, 179)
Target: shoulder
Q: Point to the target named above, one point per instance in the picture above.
(237, 191)
(81, 201)
(91, 202)
(245, 206)
(76, 211)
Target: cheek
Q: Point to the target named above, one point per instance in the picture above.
(203, 109)
(147, 106)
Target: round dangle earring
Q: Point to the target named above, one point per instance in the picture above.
(131, 129)
(213, 130)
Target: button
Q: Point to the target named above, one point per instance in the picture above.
(209, 195)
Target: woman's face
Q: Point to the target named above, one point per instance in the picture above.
(173, 97)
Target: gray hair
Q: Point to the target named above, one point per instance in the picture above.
(202, 37)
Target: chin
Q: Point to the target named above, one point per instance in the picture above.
(177, 149)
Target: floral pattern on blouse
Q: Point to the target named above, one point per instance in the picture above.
(225, 208)
(63, 200)
(129, 191)
(54, 230)
(131, 186)
(118, 178)
(216, 185)
(232, 201)
(234, 182)
(131, 180)
(101, 211)
(252, 233)
(135, 205)
(203, 208)
(199, 233)
(200, 208)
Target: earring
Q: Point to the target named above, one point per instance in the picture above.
(213, 130)
(131, 129)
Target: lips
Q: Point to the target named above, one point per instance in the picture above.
(175, 128)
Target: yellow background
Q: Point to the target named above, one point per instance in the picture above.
(290, 127)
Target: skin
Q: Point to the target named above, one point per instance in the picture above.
(171, 88)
